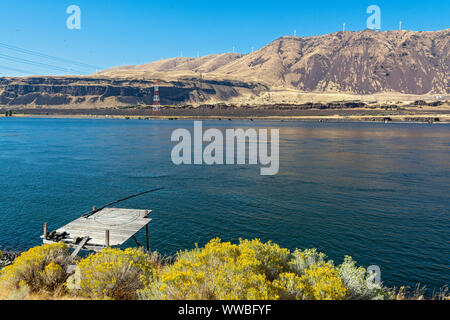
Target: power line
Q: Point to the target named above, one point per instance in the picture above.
(34, 63)
(17, 70)
(46, 56)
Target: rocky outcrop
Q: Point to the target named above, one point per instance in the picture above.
(6, 258)
(95, 92)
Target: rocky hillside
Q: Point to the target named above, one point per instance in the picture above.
(95, 92)
(180, 66)
(363, 63)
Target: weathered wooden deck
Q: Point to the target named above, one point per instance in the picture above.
(108, 227)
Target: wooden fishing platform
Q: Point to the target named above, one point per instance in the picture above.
(108, 227)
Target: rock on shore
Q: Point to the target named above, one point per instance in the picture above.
(6, 258)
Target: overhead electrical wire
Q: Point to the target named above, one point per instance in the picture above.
(46, 56)
(17, 70)
(37, 64)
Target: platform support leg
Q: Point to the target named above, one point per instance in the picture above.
(45, 231)
(148, 239)
(107, 238)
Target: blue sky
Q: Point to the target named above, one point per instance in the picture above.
(134, 32)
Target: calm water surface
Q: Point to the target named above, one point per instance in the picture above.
(377, 192)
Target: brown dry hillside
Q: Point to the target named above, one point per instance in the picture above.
(360, 62)
(181, 66)
(363, 62)
(385, 67)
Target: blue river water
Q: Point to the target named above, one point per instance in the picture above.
(377, 192)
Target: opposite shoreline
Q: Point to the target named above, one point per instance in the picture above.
(313, 115)
(332, 119)
(425, 113)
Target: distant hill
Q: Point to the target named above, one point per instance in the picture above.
(204, 64)
(291, 70)
(363, 62)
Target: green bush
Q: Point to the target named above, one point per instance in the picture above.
(356, 279)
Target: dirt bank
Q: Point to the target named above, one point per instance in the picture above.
(307, 112)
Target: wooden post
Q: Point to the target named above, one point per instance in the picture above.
(45, 231)
(148, 240)
(107, 238)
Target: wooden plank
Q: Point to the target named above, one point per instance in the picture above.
(99, 234)
(121, 213)
(99, 237)
(93, 228)
(80, 246)
(111, 219)
(88, 229)
(97, 240)
(73, 233)
(134, 227)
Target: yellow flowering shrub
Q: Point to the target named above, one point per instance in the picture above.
(272, 260)
(289, 286)
(322, 282)
(319, 282)
(220, 271)
(40, 268)
(250, 270)
(302, 260)
(53, 276)
(115, 274)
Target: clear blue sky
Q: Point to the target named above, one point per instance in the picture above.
(134, 32)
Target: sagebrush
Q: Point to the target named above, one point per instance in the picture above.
(249, 270)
